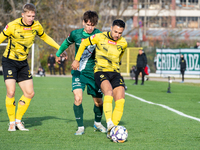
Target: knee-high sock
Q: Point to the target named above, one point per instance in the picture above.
(10, 106)
(78, 111)
(22, 108)
(107, 107)
(98, 111)
(118, 111)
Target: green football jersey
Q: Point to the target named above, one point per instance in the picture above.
(87, 61)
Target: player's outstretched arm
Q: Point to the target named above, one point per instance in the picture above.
(49, 41)
(62, 48)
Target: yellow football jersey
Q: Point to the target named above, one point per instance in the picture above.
(108, 52)
(21, 37)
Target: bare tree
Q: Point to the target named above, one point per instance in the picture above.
(13, 8)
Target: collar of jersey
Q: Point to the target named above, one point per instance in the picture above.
(86, 34)
(26, 25)
(109, 36)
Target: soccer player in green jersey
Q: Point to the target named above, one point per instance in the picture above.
(85, 75)
(110, 47)
(21, 35)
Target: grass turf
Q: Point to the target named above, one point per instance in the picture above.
(50, 118)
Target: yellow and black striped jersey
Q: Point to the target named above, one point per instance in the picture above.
(21, 37)
(108, 52)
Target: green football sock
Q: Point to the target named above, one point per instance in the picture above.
(98, 111)
(78, 111)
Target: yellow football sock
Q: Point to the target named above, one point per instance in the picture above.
(22, 108)
(118, 111)
(107, 107)
(10, 106)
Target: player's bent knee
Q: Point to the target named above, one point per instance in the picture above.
(32, 95)
(98, 104)
(109, 92)
(10, 94)
(29, 95)
(77, 100)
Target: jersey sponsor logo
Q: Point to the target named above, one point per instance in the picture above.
(27, 28)
(6, 27)
(111, 42)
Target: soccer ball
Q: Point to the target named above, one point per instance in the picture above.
(118, 134)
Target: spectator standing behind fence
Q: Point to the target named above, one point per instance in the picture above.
(197, 45)
(51, 64)
(63, 58)
(141, 64)
(182, 67)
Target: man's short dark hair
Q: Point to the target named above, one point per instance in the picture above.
(92, 16)
(29, 7)
(119, 23)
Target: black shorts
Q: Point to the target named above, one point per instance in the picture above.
(114, 78)
(18, 70)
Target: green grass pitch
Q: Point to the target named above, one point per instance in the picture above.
(50, 118)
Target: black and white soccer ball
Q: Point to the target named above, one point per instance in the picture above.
(119, 134)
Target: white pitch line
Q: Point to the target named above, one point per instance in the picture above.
(164, 106)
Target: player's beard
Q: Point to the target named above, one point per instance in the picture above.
(116, 38)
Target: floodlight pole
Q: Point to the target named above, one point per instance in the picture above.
(168, 91)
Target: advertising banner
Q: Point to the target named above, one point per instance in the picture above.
(168, 61)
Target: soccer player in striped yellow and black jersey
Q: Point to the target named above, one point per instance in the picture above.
(21, 35)
(110, 47)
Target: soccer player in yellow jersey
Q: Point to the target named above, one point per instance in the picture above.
(110, 47)
(21, 34)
